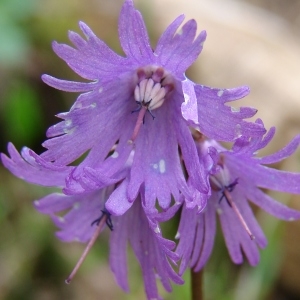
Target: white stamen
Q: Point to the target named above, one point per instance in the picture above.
(100, 90)
(137, 94)
(143, 85)
(155, 90)
(155, 166)
(150, 94)
(148, 90)
(93, 105)
(162, 166)
(157, 101)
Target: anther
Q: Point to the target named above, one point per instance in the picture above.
(92, 241)
(153, 85)
(108, 221)
(150, 94)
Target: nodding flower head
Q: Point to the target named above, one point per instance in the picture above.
(153, 84)
(86, 217)
(236, 179)
(131, 128)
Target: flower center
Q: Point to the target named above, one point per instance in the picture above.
(153, 85)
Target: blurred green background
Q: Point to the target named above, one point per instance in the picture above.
(33, 263)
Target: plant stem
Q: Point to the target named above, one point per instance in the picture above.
(196, 285)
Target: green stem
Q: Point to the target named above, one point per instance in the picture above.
(196, 285)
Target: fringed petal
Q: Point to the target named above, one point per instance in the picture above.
(133, 34)
(69, 86)
(156, 162)
(271, 206)
(34, 169)
(75, 225)
(282, 154)
(209, 235)
(189, 223)
(177, 51)
(231, 124)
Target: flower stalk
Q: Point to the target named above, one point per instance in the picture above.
(197, 285)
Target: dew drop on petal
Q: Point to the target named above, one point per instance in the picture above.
(69, 131)
(115, 154)
(162, 166)
(157, 229)
(238, 131)
(68, 122)
(220, 93)
(235, 109)
(186, 97)
(180, 31)
(61, 219)
(76, 205)
(155, 166)
(219, 211)
(177, 236)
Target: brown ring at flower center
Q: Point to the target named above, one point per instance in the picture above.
(154, 83)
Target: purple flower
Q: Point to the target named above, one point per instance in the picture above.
(143, 103)
(133, 120)
(153, 252)
(85, 211)
(237, 179)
